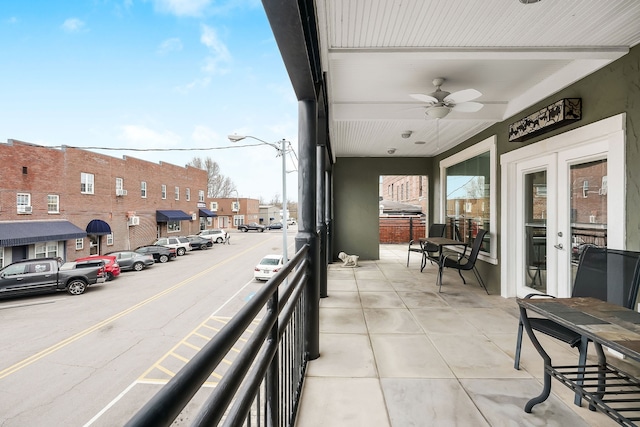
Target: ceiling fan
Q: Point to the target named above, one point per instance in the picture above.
(440, 103)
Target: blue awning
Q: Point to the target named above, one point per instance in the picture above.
(172, 215)
(207, 212)
(27, 232)
(98, 227)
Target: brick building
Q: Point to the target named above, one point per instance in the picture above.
(70, 202)
(409, 189)
(233, 211)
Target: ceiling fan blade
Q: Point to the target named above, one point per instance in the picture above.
(462, 96)
(424, 98)
(468, 107)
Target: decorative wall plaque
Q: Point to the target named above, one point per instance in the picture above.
(560, 113)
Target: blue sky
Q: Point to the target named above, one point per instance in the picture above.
(150, 74)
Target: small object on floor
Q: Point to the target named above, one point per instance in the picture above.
(348, 260)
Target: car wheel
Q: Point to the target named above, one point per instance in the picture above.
(181, 251)
(219, 240)
(76, 287)
(163, 258)
(244, 230)
(204, 247)
(138, 266)
(109, 277)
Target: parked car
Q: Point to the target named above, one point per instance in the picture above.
(32, 276)
(130, 260)
(274, 226)
(268, 267)
(198, 242)
(159, 253)
(110, 264)
(254, 226)
(180, 244)
(216, 235)
(291, 221)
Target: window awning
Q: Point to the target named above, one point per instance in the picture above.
(98, 227)
(172, 215)
(27, 232)
(207, 212)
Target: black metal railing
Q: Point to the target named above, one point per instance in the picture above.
(262, 386)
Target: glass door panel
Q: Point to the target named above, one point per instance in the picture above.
(535, 211)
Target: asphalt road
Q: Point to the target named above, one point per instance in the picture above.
(96, 358)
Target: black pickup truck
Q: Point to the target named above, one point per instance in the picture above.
(42, 275)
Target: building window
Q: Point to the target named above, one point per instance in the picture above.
(163, 191)
(79, 244)
(23, 203)
(53, 203)
(86, 183)
(187, 194)
(110, 239)
(143, 189)
(235, 206)
(209, 221)
(173, 226)
(1, 257)
(177, 193)
(213, 206)
(585, 189)
(201, 196)
(468, 195)
(46, 250)
(119, 185)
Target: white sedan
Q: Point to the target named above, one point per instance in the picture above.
(268, 267)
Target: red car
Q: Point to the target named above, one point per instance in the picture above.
(111, 265)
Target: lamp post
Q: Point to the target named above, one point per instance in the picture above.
(281, 152)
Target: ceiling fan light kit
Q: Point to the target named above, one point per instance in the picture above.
(437, 112)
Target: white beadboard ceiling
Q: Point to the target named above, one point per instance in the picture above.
(377, 52)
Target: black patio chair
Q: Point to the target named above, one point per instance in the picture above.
(435, 230)
(465, 262)
(607, 274)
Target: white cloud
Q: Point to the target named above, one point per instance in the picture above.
(12, 20)
(73, 25)
(219, 53)
(182, 7)
(195, 84)
(144, 137)
(204, 135)
(170, 45)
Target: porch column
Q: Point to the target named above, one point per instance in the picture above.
(320, 208)
(307, 234)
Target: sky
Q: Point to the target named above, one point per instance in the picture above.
(151, 74)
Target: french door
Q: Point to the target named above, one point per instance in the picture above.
(560, 196)
(563, 199)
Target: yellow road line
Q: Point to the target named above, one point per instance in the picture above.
(52, 349)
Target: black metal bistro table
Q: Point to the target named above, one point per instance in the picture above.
(605, 387)
(441, 243)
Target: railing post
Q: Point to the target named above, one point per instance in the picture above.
(273, 374)
(321, 225)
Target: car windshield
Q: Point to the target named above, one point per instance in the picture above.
(269, 261)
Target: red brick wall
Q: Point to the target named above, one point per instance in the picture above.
(401, 229)
(57, 171)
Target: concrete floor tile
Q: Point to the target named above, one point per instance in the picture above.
(408, 356)
(390, 320)
(343, 355)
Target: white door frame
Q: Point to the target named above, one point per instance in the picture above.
(610, 131)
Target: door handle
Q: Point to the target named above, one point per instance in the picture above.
(558, 246)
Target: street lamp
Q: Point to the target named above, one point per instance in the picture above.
(281, 152)
(237, 206)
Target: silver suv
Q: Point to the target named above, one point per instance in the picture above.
(216, 235)
(181, 244)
